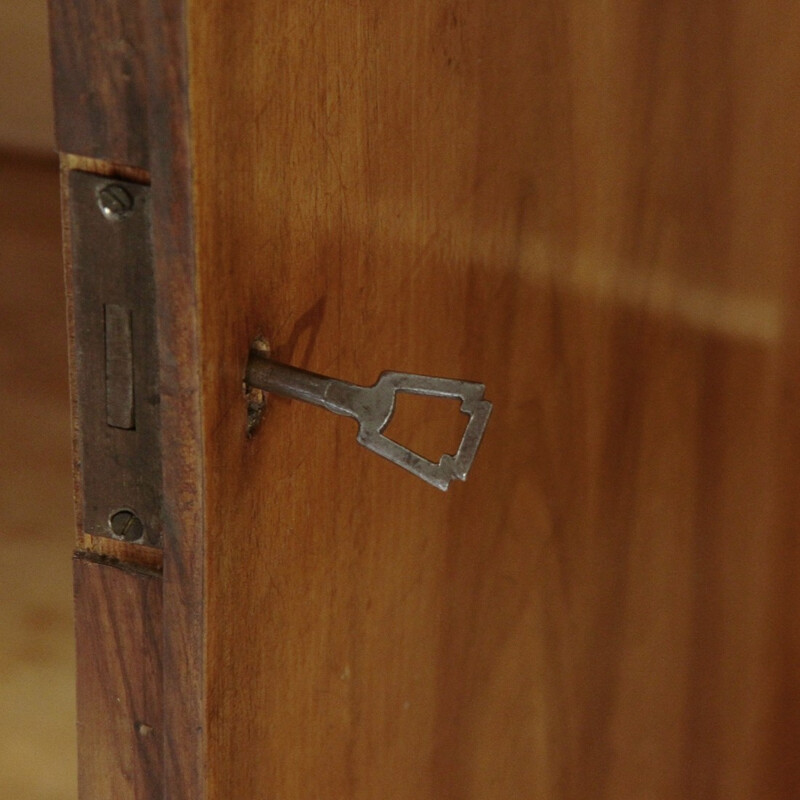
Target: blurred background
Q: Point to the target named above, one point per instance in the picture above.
(37, 697)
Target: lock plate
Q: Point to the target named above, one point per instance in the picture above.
(116, 358)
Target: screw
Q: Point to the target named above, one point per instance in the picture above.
(115, 201)
(126, 525)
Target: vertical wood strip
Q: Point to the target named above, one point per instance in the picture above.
(117, 69)
(119, 629)
(99, 79)
(181, 412)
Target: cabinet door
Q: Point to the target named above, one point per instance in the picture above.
(590, 208)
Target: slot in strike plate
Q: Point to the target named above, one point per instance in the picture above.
(116, 358)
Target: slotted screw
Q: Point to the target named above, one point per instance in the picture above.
(115, 201)
(126, 525)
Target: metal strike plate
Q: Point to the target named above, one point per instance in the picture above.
(373, 406)
(116, 358)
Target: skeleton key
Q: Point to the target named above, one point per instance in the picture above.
(372, 407)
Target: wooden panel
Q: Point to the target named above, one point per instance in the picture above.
(98, 51)
(120, 735)
(592, 208)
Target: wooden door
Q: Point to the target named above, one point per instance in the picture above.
(591, 208)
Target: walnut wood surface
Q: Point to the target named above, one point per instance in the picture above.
(185, 718)
(119, 627)
(99, 57)
(593, 209)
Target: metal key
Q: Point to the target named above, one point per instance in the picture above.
(373, 406)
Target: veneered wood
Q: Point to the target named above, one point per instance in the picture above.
(185, 690)
(98, 52)
(118, 618)
(593, 209)
(100, 89)
(97, 166)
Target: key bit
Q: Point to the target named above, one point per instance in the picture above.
(372, 407)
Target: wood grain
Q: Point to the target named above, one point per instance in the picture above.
(185, 690)
(593, 209)
(98, 53)
(100, 61)
(118, 616)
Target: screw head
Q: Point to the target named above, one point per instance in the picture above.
(115, 201)
(125, 525)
